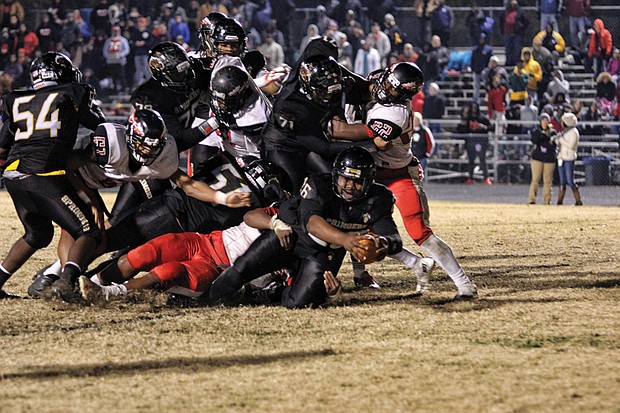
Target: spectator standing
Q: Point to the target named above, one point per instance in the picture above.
(321, 19)
(437, 58)
(115, 51)
(601, 44)
(474, 21)
(312, 31)
(11, 8)
(367, 60)
(46, 32)
(27, 40)
(529, 113)
(178, 27)
(513, 23)
(417, 102)
(141, 42)
(517, 83)
(480, 58)
(568, 141)
(476, 126)
(422, 141)
(252, 36)
(493, 69)
(496, 100)
(543, 159)
(442, 21)
(549, 11)
(272, 51)
(71, 36)
(434, 107)
(533, 69)
(100, 18)
(278, 36)
(379, 9)
(13, 68)
(380, 41)
(395, 34)
(576, 10)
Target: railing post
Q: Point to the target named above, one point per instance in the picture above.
(498, 127)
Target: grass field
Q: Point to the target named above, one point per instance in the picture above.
(544, 336)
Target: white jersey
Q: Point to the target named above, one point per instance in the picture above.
(393, 123)
(112, 167)
(238, 239)
(252, 116)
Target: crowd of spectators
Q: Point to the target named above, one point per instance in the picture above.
(110, 44)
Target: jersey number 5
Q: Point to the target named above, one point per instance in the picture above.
(42, 123)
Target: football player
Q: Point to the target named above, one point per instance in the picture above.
(294, 137)
(184, 263)
(132, 153)
(327, 218)
(389, 117)
(39, 132)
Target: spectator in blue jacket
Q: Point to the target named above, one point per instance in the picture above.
(480, 57)
(178, 27)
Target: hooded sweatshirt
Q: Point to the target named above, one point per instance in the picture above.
(532, 68)
(569, 139)
(559, 85)
(600, 41)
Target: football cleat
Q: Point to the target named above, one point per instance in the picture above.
(467, 292)
(41, 283)
(90, 291)
(365, 281)
(64, 290)
(8, 296)
(423, 275)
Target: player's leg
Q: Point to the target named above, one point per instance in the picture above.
(412, 203)
(39, 230)
(263, 256)
(133, 194)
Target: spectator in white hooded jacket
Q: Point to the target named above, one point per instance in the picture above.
(568, 141)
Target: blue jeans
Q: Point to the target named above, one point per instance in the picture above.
(142, 69)
(513, 44)
(548, 18)
(577, 24)
(567, 172)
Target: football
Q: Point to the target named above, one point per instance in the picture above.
(370, 254)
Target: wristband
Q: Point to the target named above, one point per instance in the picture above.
(208, 126)
(220, 198)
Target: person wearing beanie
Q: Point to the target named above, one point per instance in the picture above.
(567, 142)
(543, 159)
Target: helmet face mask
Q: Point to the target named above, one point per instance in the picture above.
(321, 79)
(230, 91)
(228, 38)
(353, 173)
(146, 136)
(170, 66)
(205, 31)
(398, 83)
(51, 67)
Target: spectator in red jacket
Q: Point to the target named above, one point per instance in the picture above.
(27, 40)
(496, 99)
(601, 45)
(417, 103)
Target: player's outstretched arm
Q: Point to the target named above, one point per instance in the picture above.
(261, 219)
(205, 193)
(320, 228)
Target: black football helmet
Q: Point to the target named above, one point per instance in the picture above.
(230, 89)
(170, 66)
(321, 79)
(228, 38)
(263, 175)
(356, 164)
(146, 136)
(51, 67)
(398, 83)
(205, 30)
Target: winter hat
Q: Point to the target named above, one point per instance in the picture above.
(569, 119)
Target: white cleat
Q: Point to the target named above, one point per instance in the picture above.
(423, 275)
(467, 292)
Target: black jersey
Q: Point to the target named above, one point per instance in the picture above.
(41, 125)
(178, 109)
(373, 212)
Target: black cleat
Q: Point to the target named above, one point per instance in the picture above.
(41, 283)
(64, 290)
(8, 296)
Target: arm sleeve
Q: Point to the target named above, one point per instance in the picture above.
(90, 114)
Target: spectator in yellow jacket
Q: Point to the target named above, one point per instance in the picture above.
(551, 40)
(532, 68)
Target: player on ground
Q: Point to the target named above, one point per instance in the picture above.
(389, 117)
(40, 128)
(327, 218)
